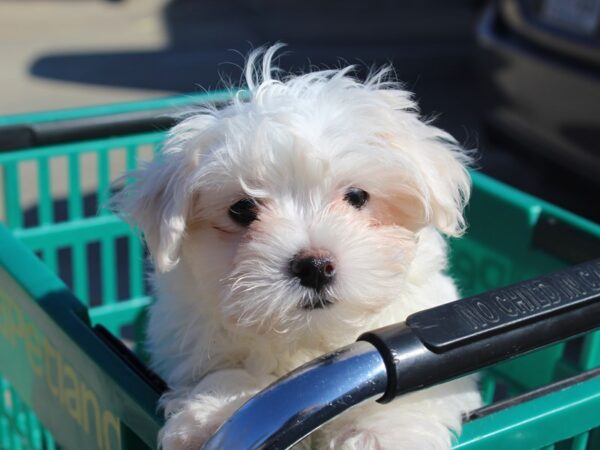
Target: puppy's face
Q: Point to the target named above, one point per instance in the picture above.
(297, 212)
(305, 232)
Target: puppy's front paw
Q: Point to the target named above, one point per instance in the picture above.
(191, 427)
(183, 431)
(375, 437)
(354, 439)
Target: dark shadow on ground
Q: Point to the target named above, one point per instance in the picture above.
(207, 42)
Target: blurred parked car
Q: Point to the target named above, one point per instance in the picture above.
(541, 75)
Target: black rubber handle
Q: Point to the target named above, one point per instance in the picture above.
(457, 338)
(14, 137)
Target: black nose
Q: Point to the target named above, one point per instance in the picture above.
(313, 271)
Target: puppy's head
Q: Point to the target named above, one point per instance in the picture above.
(296, 209)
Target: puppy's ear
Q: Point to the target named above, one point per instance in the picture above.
(434, 184)
(159, 197)
(158, 203)
(444, 182)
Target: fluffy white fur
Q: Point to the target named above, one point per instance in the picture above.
(228, 319)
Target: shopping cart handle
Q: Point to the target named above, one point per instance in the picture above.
(431, 347)
(463, 336)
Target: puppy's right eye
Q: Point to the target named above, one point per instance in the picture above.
(356, 197)
(244, 211)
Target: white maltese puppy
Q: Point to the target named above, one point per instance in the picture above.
(283, 226)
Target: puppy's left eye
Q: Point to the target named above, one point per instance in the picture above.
(356, 197)
(244, 211)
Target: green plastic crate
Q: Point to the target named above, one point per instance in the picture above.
(61, 383)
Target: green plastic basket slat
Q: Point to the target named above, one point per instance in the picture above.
(594, 439)
(10, 436)
(14, 214)
(136, 267)
(22, 424)
(580, 441)
(50, 258)
(44, 192)
(566, 369)
(8, 412)
(110, 109)
(6, 433)
(551, 418)
(13, 403)
(49, 442)
(80, 273)
(103, 180)
(75, 198)
(109, 285)
(590, 353)
(488, 387)
(63, 234)
(114, 316)
(94, 147)
(3, 392)
(35, 435)
(131, 157)
(17, 410)
(15, 419)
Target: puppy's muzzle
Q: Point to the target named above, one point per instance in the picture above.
(314, 271)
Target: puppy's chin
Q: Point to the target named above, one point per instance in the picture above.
(317, 301)
(309, 319)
